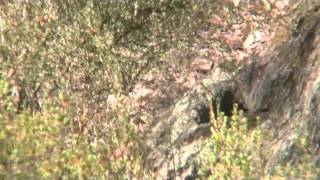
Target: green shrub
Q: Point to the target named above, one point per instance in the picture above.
(60, 62)
(42, 145)
(237, 150)
(233, 149)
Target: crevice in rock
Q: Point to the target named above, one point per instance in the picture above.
(204, 115)
(226, 101)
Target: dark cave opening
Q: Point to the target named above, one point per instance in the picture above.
(227, 102)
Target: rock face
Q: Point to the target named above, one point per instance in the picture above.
(283, 87)
(178, 137)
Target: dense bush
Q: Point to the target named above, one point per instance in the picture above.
(238, 151)
(61, 61)
(43, 145)
(234, 150)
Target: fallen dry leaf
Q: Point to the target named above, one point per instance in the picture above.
(190, 80)
(236, 3)
(231, 38)
(245, 15)
(249, 40)
(201, 64)
(141, 91)
(239, 56)
(279, 5)
(112, 101)
(120, 152)
(257, 35)
(216, 20)
(267, 5)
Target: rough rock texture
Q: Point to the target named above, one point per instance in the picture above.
(177, 137)
(282, 86)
